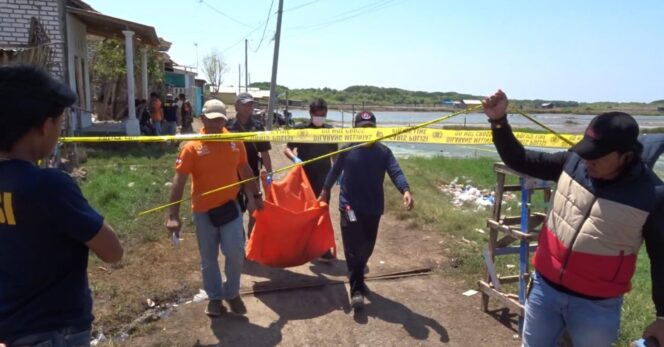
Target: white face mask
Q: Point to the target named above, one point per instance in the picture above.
(317, 121)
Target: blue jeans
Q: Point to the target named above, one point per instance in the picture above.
(230, 239)
(170, 128)
(590, 323)
(59, 338)
(157, 127)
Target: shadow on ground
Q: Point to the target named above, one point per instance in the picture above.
(417, 325)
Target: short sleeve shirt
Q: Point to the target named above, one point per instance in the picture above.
(306, 151)
(252, 148)
(212, 165)
(44, 224)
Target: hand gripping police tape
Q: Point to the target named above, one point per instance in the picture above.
(361, 136)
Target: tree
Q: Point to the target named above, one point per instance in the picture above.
(214, 68)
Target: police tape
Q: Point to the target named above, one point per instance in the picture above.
(352, 135)
(368, 136)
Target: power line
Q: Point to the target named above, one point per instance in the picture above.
(224, 14)
(300, 6)
(362, 10)
(269, 14)
(242, 39)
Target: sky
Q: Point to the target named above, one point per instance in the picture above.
(588, 51)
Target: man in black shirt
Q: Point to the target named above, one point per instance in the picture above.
(297, 152)
(47, 227)
(257, 152)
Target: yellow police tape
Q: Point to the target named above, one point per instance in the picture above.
(367, 136)
(348, 135)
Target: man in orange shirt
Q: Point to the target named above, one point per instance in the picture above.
(156, 112)
(217, 216)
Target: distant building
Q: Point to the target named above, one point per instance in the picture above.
(227, 94)
(181, 79)
(470, 103)
(547, 105)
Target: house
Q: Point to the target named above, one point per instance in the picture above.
(547, 105)
(55, 33)
(465, 103)
(180, 79)
(227, 94)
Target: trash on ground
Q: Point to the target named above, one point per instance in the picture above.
(202, 295)
(99, 339)
(470, 292)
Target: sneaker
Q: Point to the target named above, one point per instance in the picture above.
(357, 301)
(327, 257)
(214, 308)
(365, 290)
(237, 306)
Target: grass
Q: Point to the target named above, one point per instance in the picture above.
(120, 183)
(435, 211)
(127, 180)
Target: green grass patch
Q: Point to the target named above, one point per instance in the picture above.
(434, 210)
(126, 180)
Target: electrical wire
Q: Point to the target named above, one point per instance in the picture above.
(267, 20)
(224, 14)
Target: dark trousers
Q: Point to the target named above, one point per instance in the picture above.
(359, 239)
(316, 179)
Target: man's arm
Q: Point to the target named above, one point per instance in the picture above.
(399, 180)
(266, 160)
(654, 237)
(290, 152)
(332, 176)
(537, 164)
(253, 187)
(106, 245)
(179, 182)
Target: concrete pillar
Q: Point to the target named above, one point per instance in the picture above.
(144, 69)
(132, 125)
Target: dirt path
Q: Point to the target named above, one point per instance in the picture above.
(412, 311)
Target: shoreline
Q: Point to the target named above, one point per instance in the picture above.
(405, 108)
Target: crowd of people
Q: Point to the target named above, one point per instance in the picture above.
(170, 117)
(607, 202)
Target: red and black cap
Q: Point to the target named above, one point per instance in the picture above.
(606, 133)
(365, 118)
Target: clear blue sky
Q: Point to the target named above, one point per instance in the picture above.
(591, 50)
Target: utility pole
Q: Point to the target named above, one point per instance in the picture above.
(275, 63)
(246, 66)
(196, 44)
(239, 78)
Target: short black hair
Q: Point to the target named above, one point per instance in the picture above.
(317, 104)
(154, 94)
(30, 96)
(181, 96)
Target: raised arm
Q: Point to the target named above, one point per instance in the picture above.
(542, 165)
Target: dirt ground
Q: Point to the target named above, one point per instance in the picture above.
(419, 310)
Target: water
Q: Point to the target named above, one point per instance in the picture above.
(566, 123)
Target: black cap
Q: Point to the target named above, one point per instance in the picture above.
(364, 118)
(606, 133)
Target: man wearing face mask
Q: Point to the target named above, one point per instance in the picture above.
(297, 152)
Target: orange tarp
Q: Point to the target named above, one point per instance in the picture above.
(293, 228)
